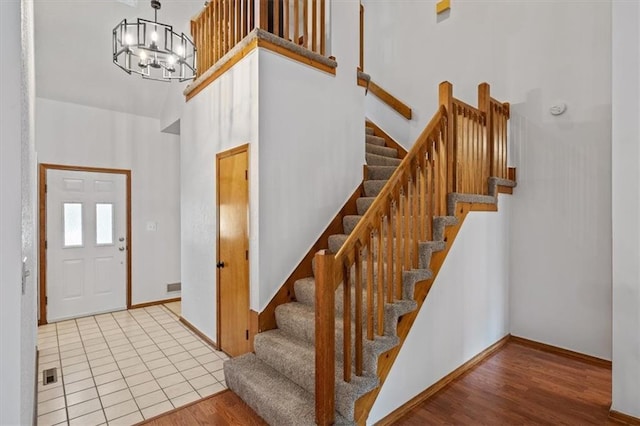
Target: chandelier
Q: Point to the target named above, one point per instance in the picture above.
(153, 49)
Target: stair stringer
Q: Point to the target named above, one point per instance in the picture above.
(422, 288)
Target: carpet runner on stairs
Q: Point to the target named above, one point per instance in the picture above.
(278, 380)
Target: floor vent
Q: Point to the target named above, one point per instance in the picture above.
(49, 376)
(174, 287)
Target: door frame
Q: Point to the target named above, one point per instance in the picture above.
(220, 156)
(42, 230)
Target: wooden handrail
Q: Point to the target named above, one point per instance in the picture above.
(222, 24)
(453, 153)
(390, 100)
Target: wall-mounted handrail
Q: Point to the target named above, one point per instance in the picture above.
(456, 152)
(386, 97)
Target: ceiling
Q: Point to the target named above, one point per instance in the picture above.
(74, 59)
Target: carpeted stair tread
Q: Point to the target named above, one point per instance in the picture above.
(336, 241)
(305, 294)
(349, 222)
(381, 160)
(363, 203)
(439, 224)
(375, 140)
(296, 360)
(298, 320)
(381, 150)
(271, 395)
(380, 172)
(369, 131)
(456, 197)
(373, 187)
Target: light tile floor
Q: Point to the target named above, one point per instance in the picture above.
(123, 367)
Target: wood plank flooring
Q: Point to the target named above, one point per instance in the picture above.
(518, 385)
(522, 385)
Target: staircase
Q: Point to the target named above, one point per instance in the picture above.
(382, 256)
(278, 380)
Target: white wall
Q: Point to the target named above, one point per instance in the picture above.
(311, 150)
(85, 136)
(531, 53)
(224, 115)
(17, 309)
(305, 129)
(626, 208)
(466, 311)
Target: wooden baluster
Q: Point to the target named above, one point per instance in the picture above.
(346, 332)
(325, 339)
(251, 22)
(218, 23)
(423, 193)
(441, 180)
(370, 290)
(276, 18)
(286, 19)
(406, 238)
(398, 265)
(322, 35)
(262, 14)
(305, 23)
(484, 105)
(446, 99)
(476, 150)
(415, 230)
(296, 21)
(384, 224)
(430, 205)
(358, 311)
(434, 177)
(232, 24)
(314, 25)
(393, 215)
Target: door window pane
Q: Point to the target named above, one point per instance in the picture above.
(72, 224)
(104, 223)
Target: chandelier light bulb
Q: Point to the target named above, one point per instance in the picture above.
(128, 39)
(143, 55)
(154, 36)
(171, 59)
(180, 50)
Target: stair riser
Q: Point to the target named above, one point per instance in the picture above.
(381, 150)
(378, 160)
(295, 363)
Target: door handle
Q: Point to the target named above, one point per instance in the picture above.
(121, 248)
(220, 265)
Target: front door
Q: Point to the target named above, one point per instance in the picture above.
(233, 252)
(86, 246)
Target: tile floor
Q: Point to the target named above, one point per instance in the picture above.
(123, 367)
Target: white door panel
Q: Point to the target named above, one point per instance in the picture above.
(86, 243)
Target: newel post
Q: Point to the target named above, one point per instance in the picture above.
(446, 100)
(325, 338)
(484, 105)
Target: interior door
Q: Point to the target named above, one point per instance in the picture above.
(233, 252)
(86, 245)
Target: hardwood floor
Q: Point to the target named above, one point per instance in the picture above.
(522, 385)
(224, 408)
(518, 385)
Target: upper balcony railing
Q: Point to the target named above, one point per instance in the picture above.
(222, 24)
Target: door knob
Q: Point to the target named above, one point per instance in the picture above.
(121, 248)
(220, 265)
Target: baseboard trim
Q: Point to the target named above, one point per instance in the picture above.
(561, 351)
(182, 407)
(155, 302)
(199, 333)
(623, 418)
(395, 415)
(35, 390)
